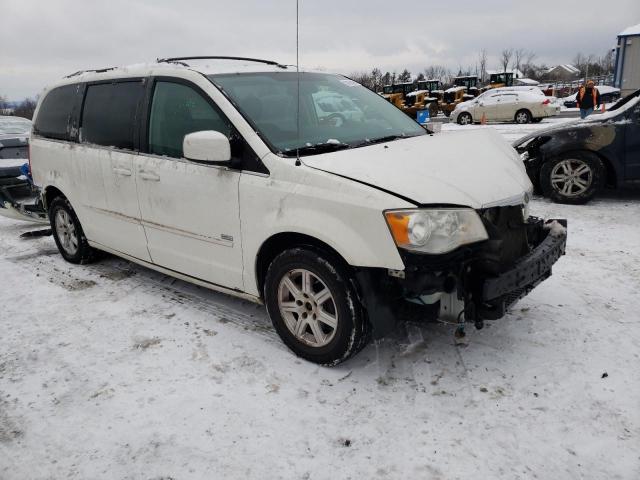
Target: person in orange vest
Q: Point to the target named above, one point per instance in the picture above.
(587, 99)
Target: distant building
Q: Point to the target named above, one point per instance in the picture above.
(627, 69)
(564, 72)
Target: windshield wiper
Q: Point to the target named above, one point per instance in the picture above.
(316, 149)
(388, 138)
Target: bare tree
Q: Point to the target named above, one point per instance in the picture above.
(405, 76)
(505, 58)
(482, 63)
(438, 72)
(26, 108)
(518, 57)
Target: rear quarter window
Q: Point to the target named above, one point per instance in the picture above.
(55, 112)
(110, 113)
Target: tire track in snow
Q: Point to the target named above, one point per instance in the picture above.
(48, 264)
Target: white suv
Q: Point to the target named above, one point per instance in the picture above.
(231, 176)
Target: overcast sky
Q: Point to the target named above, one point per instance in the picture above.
(41, 41)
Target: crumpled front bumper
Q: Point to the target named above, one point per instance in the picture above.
(417, 292)
(499, 292)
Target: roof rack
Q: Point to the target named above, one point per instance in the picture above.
(180, 60)
(99, 70)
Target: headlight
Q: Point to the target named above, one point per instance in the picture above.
(435, 231)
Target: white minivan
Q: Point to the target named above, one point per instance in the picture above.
(227, 172)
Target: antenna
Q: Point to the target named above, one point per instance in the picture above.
(298, 80)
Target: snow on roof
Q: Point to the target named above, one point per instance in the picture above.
(515, 71)
(205, 66)
(455, 89)
(417, 92)
(635, 30)
(567, 67)
(527, 81)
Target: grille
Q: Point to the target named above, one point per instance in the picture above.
(507, 238)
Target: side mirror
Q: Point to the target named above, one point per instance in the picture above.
(208, 146)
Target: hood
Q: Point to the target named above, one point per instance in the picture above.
(464, 104)
(474, 168)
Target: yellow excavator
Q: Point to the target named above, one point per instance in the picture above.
(396, 93)
(499, 80)
(421, 98)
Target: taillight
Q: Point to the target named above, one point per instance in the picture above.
(546, 102)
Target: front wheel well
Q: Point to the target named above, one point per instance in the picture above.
(280, 242)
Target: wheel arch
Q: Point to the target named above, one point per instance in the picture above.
(49, 194)
(282, 241)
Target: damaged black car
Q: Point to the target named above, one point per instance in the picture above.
(572, 162)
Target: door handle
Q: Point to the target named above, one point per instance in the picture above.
(150, 176)
(125, 172)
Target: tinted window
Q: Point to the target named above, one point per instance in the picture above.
(176, 111)
(55, 111)
(109, 114)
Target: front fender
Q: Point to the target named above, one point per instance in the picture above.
(343, 214)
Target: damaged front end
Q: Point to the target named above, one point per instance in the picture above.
(473, 283)
(19, 198)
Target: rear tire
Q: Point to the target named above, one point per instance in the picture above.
(522, 117)
(312, 301)
(68, 234)
(573, 178)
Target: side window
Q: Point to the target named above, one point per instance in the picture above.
(55, 111)
(110, 113)
(177, 110)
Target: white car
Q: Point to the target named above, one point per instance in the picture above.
(509, 104)
(225, 176)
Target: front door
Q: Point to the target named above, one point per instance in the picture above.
(487, 106)
(190, 211)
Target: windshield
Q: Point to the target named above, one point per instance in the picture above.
(333, 110)
(17, 125)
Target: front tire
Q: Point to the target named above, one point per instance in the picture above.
(68, 233)
(465, 119)
(522, 117)
(573, 178)
(313, 304)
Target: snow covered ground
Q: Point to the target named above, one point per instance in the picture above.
(114, 371)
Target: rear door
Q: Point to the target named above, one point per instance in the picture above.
(190, 210)
(632, 145)
(507, 106)
(104, 160)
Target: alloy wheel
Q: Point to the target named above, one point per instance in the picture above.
(571, 177)
(307, 307)
(465, 119)
(66, 231)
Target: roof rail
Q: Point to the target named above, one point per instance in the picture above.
(180, 60)
(99, 70)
